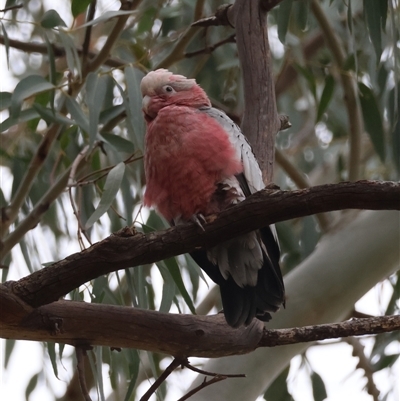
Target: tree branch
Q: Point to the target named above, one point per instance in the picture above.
(260, 121)
(128, 248)
(82, 324)
(349, 89)
(32, 47)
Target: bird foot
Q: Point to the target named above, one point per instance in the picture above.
(196, 220)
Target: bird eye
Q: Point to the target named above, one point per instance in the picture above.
(168, 89)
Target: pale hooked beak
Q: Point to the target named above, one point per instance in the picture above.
(146, 102)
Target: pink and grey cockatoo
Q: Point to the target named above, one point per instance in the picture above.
(197, 163)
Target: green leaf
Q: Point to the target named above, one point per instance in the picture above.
(111, 187)
(169, 288)
(23, 116)
(326, 96)
(173, 268)
(77, 114)
(108, 15)
(133, 359)
(79, 6)
(27, 87)
(111, 113)
(51, 19)
(278, 390)
(5, 100)
(118, 143)
(96, 87)
(134, 110)
(73, 59)
(372, 119)
(349, 16)
(6, 44)
(31, 385)
(99, 366)
(318, 387)
(284, 12)
(309, 76)
(51, 349)
(302, 10)
(9, 347)
(50, 115)
(373, 17)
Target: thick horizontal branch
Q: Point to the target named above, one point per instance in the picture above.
(128, 249)
(83, 324)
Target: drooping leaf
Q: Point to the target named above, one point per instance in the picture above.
(278, 390)
(51, 19)
(50, 115)
(374, 11)
(77, 114)
(79, 6)
(284, 12)
(27, 87)
(73, 59)
(111, 113)
(95, 93)
(169, 288)
(31, 386)
(135, 117)
(111, 187)
(51, 349)
(372, 119)
(118, 143)
(318, 387)
(326, 96)
(302, 10)
(23, 116)
(6, 43)
(9, 347)
(176, 274)
(5, 100)
(108, 15)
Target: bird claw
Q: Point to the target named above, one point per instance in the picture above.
(196, 220)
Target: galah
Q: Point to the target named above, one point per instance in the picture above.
(198, 163)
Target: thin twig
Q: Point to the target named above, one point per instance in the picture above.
(187, 364)
(80, 366)
(349, 89)
(170, 368)
(205, 384)
(88, 33)
(301, 182)
(32, 47)
(102, 56)
(15, 7)
(210, 49)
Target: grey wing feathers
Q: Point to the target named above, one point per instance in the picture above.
(243, 149)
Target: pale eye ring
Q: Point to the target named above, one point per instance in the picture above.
(168, 89)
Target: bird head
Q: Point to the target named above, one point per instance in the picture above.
(162, 88)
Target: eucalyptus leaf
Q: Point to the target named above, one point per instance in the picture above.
(111, 188)
(51, 19)
(27, 87)
(326, 96)
(107, 16)
(5, 100)
(318, 387)
(77, 114)
(284, 12)
(6, 43)
(79, 6)
(372, 119)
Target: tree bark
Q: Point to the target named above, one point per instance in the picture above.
(127, 248)
(323, 288)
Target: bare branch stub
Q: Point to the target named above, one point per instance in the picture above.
(221, 17)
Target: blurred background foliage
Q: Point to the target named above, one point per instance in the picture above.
(91, 175)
